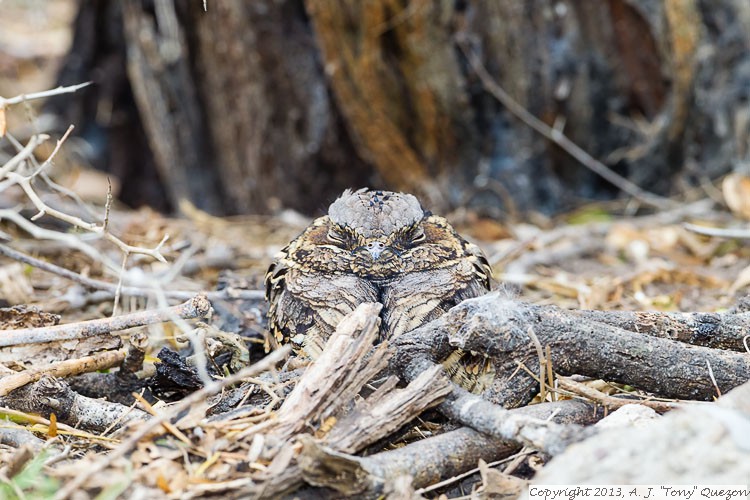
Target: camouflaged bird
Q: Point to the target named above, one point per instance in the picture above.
(375, 246)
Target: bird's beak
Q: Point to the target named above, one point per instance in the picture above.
(375, 248)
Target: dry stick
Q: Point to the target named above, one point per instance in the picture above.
(737, 233)
(197, 307)
(427, 460)
(99, 361)
(69, 239)
(338, 374)
(213, 388)
(418, 350)
(40, 95)
(133, 291)
(436, 486)
(52, 395)
(556, 136)
(52, 155)
(53, 185)
(20, 415)
(723, 330)
(612, 402)
(25, 183)
(25, 153)
(496, 326)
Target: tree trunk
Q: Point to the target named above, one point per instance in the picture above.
(251, 106)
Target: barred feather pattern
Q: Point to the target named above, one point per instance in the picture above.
(376, 246)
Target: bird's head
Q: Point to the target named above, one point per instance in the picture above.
(376, 235)
(377, 227)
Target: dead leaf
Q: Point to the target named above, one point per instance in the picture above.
(743, 279)
(736, 191)
(3, 123)
(496, 484)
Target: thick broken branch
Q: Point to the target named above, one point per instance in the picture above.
(498, 327)
(418, 351)
(338, 374)
(724, 330)
(326, 395)
(387, 409)
(428, 460)
(50, 395)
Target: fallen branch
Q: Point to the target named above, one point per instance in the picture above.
(99, 361)
(723, 330)
(50, 395)
(197, 307)
(498, 327)
(731, 233)
(426, 461)
(326, 402)
(338, 375)
(421, 349)
(387, 409)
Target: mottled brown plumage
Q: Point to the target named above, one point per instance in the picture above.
(375, 246)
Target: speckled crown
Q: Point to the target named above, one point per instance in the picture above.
(375, 213)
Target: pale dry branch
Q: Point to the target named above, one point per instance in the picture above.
(51, 395)
(22, 155)
(5, 102)
(25, 183)
(52, 155)
(68, 239)
(732, 233)
(197, 307)
(95, 362)
(612, 402)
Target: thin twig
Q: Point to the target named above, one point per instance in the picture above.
(40, 95)
(197, 307)
(555, 135)
(49, 159)
(107, 206)
(25, 183)
(611, 402)
(713, 378)
(118, 289)
(25, 153)
(542, 362)
(451, 480)
(213, 388)
(737, 233)
(69, 239)
(43, 175)
(131, 291)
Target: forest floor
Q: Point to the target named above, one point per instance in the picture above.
(70, 255)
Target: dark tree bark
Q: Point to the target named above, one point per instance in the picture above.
(255, 105)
